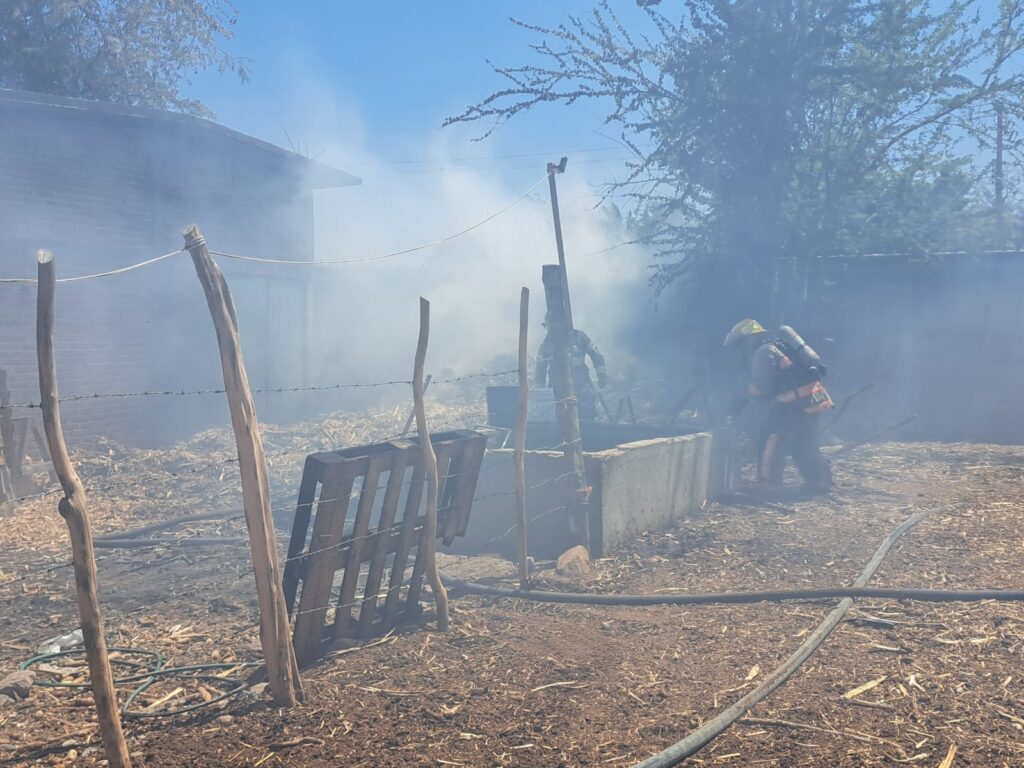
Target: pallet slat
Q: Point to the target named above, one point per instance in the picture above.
(317, 576)
(360, 529)
(396, 480)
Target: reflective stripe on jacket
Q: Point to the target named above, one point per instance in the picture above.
(814, 397)
(774, 376)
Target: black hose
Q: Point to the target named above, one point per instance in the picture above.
(457, 587)
(189, 541)
(698, 739)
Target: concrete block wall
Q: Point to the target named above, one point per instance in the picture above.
(646, 486)
(639, 486)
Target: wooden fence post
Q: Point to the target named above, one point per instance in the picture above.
(412, 413)
(430, 467)
(73, 509)
(275, 636)
(521, 427)
(566, 407)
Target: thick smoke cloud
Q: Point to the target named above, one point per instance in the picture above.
(366, 316)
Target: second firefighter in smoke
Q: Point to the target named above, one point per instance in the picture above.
(581, 347)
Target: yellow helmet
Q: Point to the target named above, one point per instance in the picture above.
(744, 329)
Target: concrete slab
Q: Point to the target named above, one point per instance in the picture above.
(638, 486)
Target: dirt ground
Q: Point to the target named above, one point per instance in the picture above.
(520, 684)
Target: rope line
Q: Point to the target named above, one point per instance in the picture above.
(108, 273)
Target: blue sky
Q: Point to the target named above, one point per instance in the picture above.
(393, 72)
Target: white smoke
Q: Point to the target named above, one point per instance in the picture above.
(367, 314)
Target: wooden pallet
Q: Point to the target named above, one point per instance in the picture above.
(343, 522)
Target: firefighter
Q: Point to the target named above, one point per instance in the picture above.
(581, 348)
(786, 374)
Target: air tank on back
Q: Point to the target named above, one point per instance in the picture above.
(801, 352)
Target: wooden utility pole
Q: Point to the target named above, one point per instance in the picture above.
(275, 637)
(520, 449)
(566, 407)
(73, 509)
(430, 467)
(553, 169)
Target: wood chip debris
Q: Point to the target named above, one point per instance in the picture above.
(855, 692)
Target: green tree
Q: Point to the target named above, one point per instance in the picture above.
(784, 128)
(135, 52)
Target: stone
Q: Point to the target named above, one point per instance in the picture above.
(574, 563)
(16, 686)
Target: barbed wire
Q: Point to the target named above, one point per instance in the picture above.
(268, 390)
(533, 519)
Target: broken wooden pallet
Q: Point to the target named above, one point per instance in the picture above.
(343, 522)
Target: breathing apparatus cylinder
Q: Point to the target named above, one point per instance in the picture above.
(800, 351)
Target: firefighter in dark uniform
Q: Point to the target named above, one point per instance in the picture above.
(786, 374)
(581, 348)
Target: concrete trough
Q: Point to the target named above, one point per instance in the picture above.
(642, 479)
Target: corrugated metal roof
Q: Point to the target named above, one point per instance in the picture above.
(320, 175)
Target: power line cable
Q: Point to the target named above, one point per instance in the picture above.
(483, 157)
(414, 249)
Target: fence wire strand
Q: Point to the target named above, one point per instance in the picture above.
(108, 273)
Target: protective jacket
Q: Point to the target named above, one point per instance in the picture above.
(786, 373)
(581, 348)
(774, 376)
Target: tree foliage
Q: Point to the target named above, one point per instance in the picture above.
(135, 52)
(787, 128)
